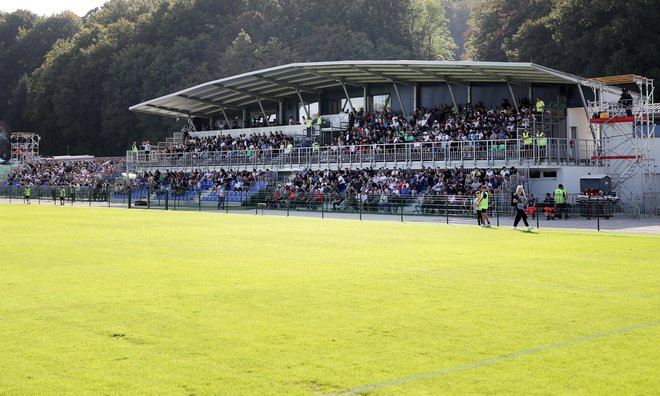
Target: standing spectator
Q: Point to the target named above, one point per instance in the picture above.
(220, 192)
(26, 194)
(62, 195)
(540, 105)
(626, 102)
(134, 151)
(146, 146)
(477, 207)
(483, 205)
(560, 197)
(520, 200)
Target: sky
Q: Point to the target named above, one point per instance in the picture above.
(49, 7)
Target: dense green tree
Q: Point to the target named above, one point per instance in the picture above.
(494, 23)
(585, 37)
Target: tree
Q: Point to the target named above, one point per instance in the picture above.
(494, 23)
(429, 34)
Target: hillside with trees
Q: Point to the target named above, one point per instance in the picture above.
(72, 79)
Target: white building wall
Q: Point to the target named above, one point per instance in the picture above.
(569, 176)
(576, 117)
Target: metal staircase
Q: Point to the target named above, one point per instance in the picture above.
(626, 143)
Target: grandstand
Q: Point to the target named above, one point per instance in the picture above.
(581, 130)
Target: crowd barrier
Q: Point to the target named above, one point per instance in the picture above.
(490, 152)
(449, 209)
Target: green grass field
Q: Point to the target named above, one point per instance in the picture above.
(115, 301)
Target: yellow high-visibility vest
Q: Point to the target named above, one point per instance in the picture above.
(540, 139)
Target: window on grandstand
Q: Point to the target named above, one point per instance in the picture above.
(382, 103)
(358, 103)
(313, 109)
(542, 174)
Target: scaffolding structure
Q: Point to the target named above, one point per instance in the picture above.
(24, 146)
(625, 142)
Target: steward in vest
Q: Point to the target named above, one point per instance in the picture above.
(560, 196)
(483, 205)
(308, 123)
(541, 142)
(527, 139)
(26, 194)
(540, 105)
(62, 195)
(540, 139)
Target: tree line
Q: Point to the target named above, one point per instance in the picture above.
(72, 79)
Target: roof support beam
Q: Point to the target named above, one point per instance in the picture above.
(451, 92)
(348, 97)
(253, 94)
(262, 110)
(333, 78)
(209, 102)
(287, 85)
(385, 76)
(179, 111)
(396, 89)
(440, 77)
(513, 96)
(226, 118)
(303, 103)
(494, 75)
(586, 113)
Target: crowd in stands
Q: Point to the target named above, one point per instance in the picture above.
(379, 188)
(82, 173)
(178, 181)
(439, 124)
(227, 143)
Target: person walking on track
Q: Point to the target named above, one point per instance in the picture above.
(520, 199)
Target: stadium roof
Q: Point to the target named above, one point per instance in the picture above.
(268, 86)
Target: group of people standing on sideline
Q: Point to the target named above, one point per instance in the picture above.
(521, 201)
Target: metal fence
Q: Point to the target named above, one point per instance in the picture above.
(490, 152)
(449, 209)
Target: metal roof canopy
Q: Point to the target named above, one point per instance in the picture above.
(276, 83)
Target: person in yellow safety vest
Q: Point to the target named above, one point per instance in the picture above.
(319, 122)
(482, 204)
(308, 123)
(315, 147)
(134, 151)
(560, 197)
(542, 142)
(527, 139)
(26, 194)
(540, 105)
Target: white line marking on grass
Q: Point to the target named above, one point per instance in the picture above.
(495, 360)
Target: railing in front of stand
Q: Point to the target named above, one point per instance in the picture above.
(491, 152)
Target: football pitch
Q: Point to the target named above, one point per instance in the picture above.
(116, 301)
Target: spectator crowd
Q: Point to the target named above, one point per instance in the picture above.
(442, 125)
(82, 173)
